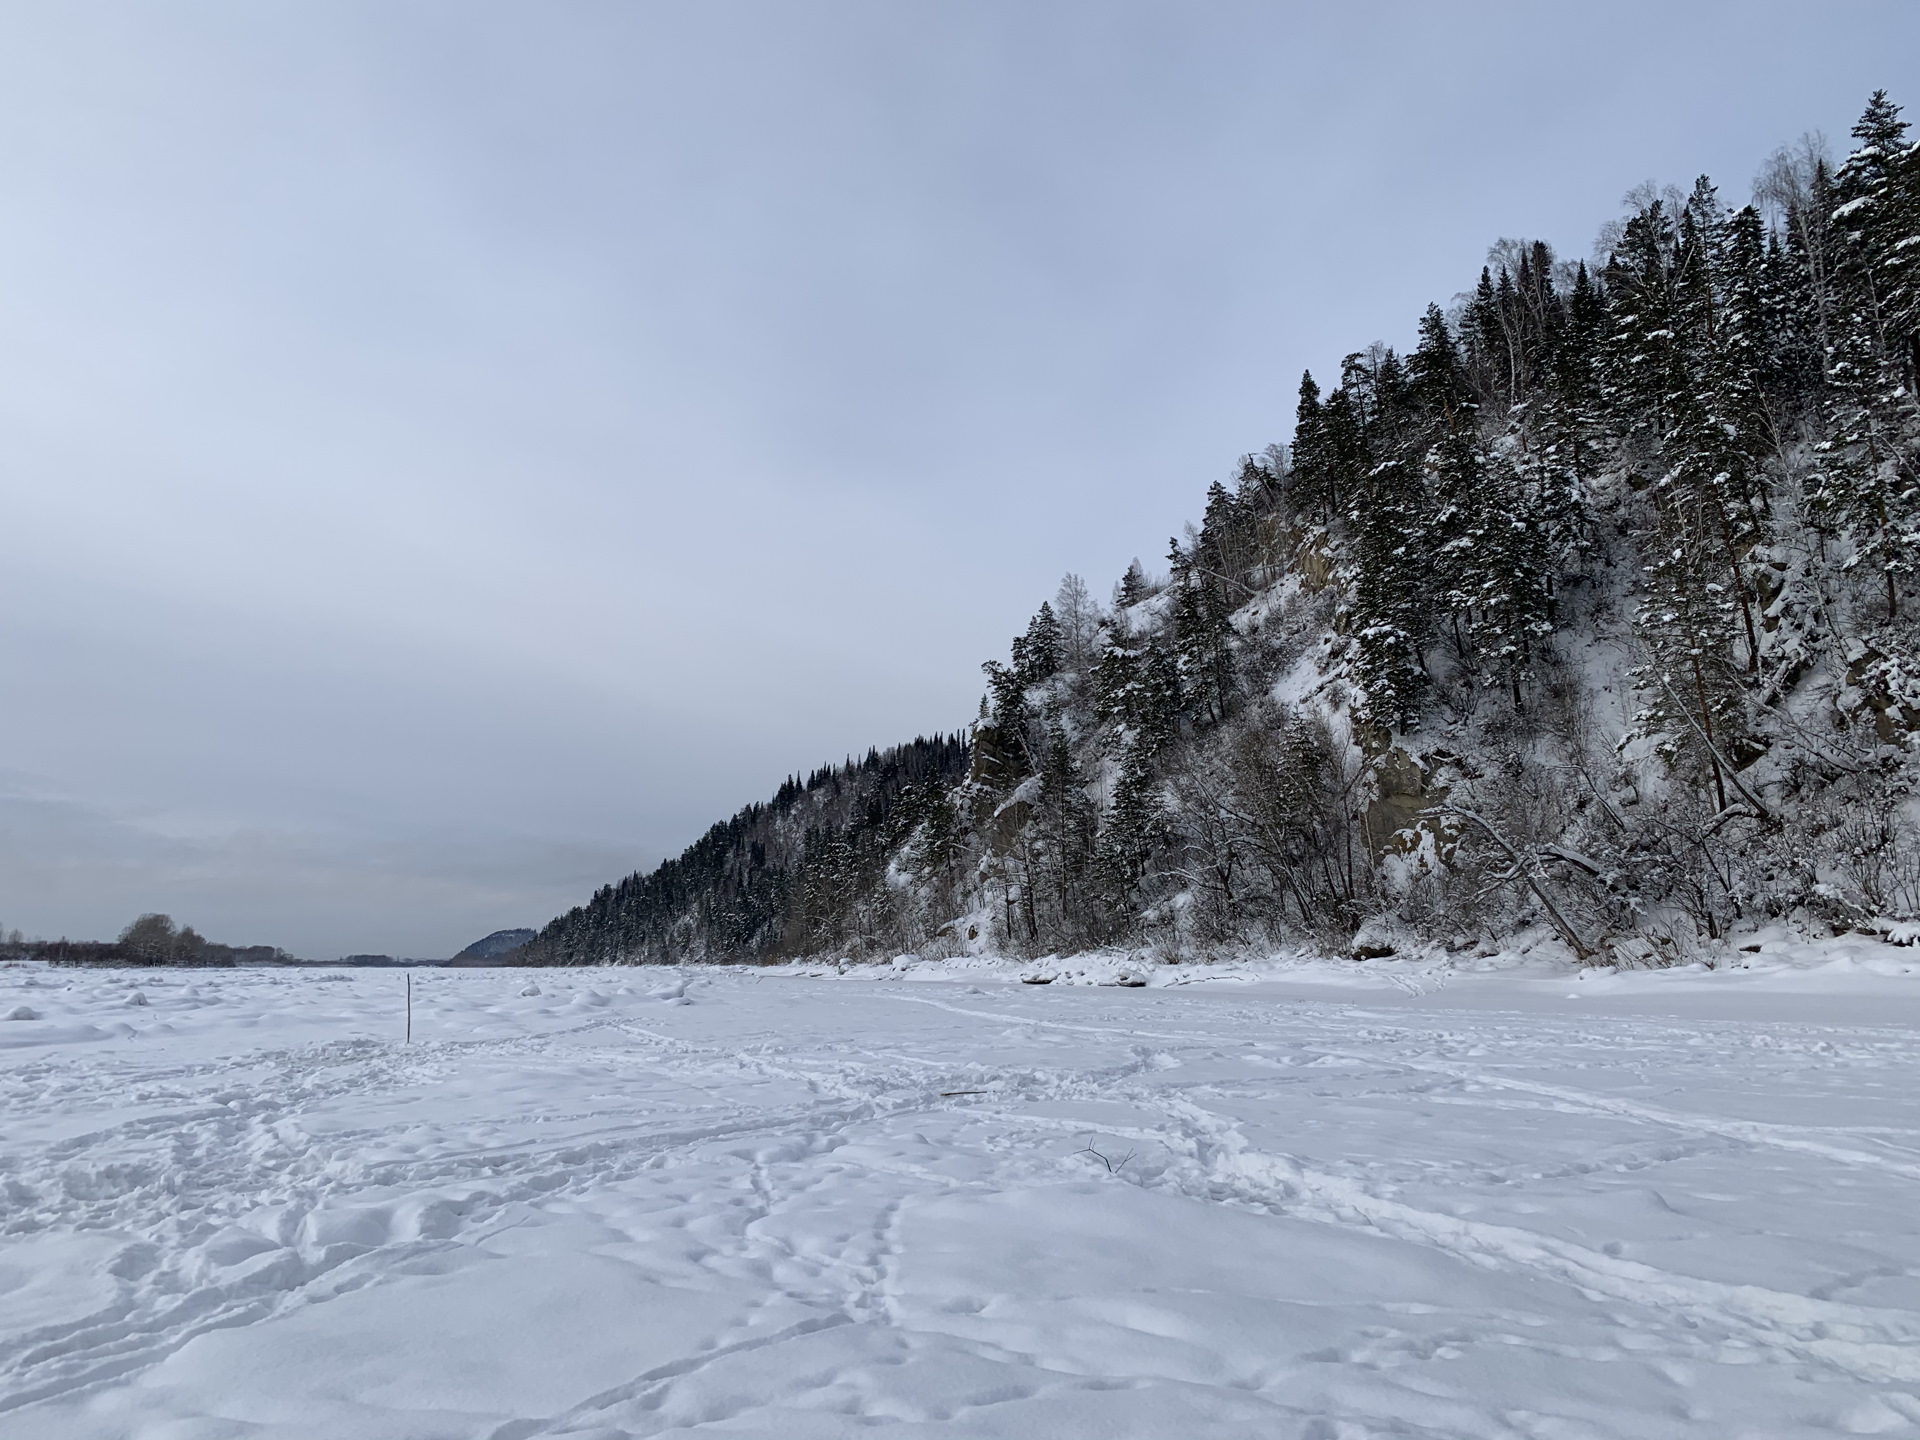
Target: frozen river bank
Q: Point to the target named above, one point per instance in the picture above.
(234, 1204)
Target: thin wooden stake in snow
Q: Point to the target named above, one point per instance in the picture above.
(409, 1007)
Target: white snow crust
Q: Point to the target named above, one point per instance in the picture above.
(1292, 1199)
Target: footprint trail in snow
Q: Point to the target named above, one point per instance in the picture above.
(622, 1204)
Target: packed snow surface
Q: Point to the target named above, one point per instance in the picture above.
(794, 1204)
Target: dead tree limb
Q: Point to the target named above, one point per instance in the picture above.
(1527, 866)
(1714, 750)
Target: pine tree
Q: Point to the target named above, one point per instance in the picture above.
(1226, 549)
(939, 844)
(1572, 401)
(1006, 695)
(1576, 358)
(1390, 616)
(1328, 453)
(1136, 693)
(1379, 384)
(1456, 532)
(1711, 395)
(1203, 641)
(1345, 453)
(1868, 483)
(1116, 678)
(1899, 259)
(1639, 358)
(1486, 342)
(1684, 624)
(1868, 217)
(1135, 823)
(1746, 337)
(1309, 483)
(1066, 825)
(1002, 743)
(1811, 244)
(1036, 654)
(1796, 359)
(1437, 381)
(1542, 306)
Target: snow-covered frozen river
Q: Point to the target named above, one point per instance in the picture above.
(788, 1207)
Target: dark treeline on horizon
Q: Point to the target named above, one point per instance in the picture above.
(152, 939)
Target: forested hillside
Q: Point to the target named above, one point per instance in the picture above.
(1596, 613)
(810, 870)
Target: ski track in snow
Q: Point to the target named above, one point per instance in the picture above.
(234, 1205)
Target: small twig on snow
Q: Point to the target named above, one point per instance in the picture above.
(1114, 1167)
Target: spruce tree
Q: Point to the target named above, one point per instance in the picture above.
(1684, 623)
(939, 845)
(1136, 693)
(1203, 640)
(1437, 381)
(1487, 360)
(1390, 610)
(1345, 452)
(1225, 548)
(1036, 654)
(1867, 480)
(1577, 357)
(1745, 340)
(1306, 480)
(1639, 359)
(1711, 395)
(1135, 822)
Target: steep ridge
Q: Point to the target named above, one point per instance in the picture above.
(1594, 615)
(804, 872)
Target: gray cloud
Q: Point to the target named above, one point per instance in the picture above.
(403, 893)
(453, 453)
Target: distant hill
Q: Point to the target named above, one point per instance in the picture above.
(781, 878)
(499, 943)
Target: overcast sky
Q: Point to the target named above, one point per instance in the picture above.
(450, 454)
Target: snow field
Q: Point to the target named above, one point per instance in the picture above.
(629, 1203)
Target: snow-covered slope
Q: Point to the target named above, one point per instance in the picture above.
(1367, 1200)
(1597, 610)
